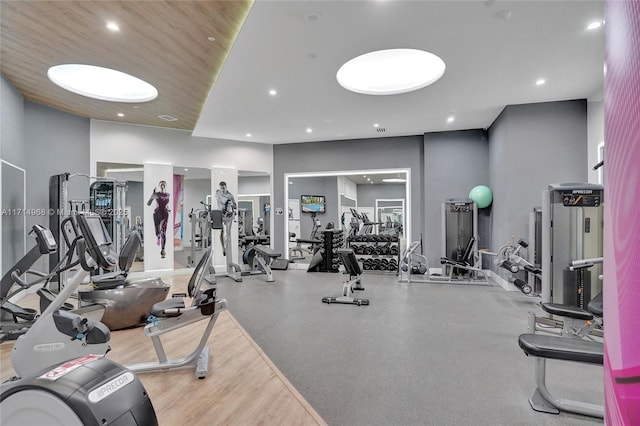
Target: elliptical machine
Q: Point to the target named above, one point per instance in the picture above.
(16, 320)
(57, 388)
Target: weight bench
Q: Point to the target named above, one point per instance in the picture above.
(566, 349)
(300, 250)
(352, 266)
(260, 258)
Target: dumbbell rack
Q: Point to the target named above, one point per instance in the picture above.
(378, 253)
(332, 240)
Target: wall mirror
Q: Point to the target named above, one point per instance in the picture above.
(356, 201)
(254, 208)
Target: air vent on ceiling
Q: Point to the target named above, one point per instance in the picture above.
(167, 117)
(381, 130)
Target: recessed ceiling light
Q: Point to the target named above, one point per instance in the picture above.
(540, 81)
(390, 72)
(273, 92)
(112, 26)
(376, 125)
(125, 169)
(120, 114)
(309, 130)
(186, 170)
(248, 135)
(594, 25)
(101, 83)
(211, 38)
(394, 180)
(450, 119)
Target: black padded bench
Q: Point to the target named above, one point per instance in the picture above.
(545, 347)
(260, 259)
(352, 267)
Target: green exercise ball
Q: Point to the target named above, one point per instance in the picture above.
(481, 195)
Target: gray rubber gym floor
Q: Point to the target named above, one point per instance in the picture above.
(420, 354)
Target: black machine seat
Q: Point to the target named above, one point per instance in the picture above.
(267, 251)
(567, 311)
(350, 262)
(257, 239)
(466, 258)
(307, 241)
(125, 261)
(595, 305)
(168, 308)
(203, 299)
(562, 348)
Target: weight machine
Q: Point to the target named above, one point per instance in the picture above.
(107, 198)
(572, 225)
(200, 234)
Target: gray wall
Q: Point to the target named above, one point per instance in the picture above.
(327, 186)
(454, 162)
(360, 154)
(367, 194)
(44, 141)
(251, 185)
(11, 124)
(56, 142)
(135, 200)
(12, 150)
(532, 146)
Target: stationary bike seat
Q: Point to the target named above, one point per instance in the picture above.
(168, 308)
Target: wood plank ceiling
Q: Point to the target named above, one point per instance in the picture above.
(162, 42)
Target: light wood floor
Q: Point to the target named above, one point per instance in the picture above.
(243, 386)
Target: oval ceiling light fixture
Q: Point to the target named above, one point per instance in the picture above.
(102, 83)
(390, 72)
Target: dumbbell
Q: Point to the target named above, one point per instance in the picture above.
(393, 265)
(393, 250)
(384, 264)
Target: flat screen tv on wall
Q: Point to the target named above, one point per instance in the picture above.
(312, 203)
